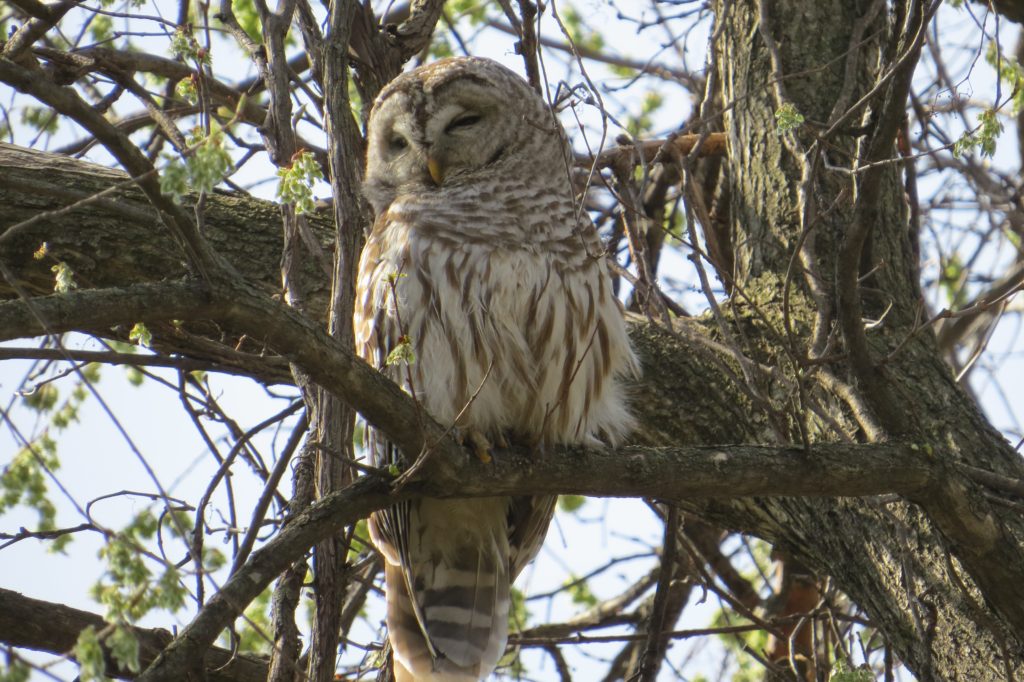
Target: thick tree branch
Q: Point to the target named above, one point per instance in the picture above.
(31, 31)
(335, 367)
(880, 145)
(67, 101)
(130, 359)
(380, 51)
(53, 628)
(103, 308)
(673, 473)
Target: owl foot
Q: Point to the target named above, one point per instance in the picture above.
(481, 444)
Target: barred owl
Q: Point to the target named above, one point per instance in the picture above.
(484, 292)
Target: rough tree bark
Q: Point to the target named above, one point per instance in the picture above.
(934, 575)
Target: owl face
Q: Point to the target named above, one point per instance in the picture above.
(451, 123)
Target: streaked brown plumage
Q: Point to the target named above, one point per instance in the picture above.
(480, 263)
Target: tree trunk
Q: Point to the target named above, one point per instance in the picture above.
(928, 574)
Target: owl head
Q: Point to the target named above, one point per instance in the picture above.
(455, 123)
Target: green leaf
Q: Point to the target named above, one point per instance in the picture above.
(89, 655)
(474, 10)
(360, 540)
(185, 46)
(201, 171)
(402, 353)
(787, 118)
(169, 593)
(984, 137)
(174, 180)
(841, 673)
(101, 27)
(518, 615)
(579, 591)
(253, 628)
(140, 334)
(295, 184)
(24, 481)
(951, 281)
(124, 647)
(747, 668)
(122, 347)
(187, 89)
(571, 503)
(581, 34)
(248, 18)
(640, 125)
(623, 71)
(64, 278)
(15, 671)
(1010, 72)
(127, 587)
(42, 399)
(91, 372)
(42, 119)
(991, 129)
(209, 163)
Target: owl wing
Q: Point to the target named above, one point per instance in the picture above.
(528, 521)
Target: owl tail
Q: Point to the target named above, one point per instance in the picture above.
(455, 625)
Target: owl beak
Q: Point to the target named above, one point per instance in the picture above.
(435, 169)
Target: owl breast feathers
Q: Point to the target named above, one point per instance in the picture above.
(484, 292)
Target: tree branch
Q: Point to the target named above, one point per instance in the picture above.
(647, 151)
(46, 626)
(67, 101)
(669, 473)
(132, 359)
(688, 80)
(335, 367)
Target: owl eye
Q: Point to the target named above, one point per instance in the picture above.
(398, 143)
(463, 122)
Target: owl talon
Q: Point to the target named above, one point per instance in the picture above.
(479, 443)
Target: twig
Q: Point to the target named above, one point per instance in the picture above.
(656, 648)
(25, 534)
(260, 510)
